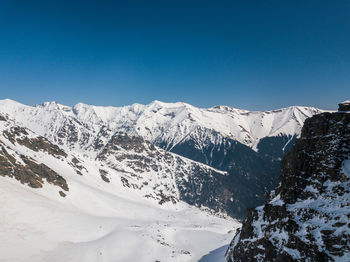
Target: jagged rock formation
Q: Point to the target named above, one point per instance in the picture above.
(306, 218)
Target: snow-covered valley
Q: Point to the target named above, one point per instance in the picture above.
(94, 225)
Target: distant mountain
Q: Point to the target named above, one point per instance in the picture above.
(306, 218)
(173, 123)
(239, 150)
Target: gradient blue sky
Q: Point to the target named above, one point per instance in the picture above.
(248, 54)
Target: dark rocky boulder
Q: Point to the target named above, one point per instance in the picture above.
(306, 218)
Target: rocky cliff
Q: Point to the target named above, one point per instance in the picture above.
(306, 218)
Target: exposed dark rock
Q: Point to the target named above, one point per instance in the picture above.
(62, 194)
(29, 172)
(344, 106)
(75, 161)
(165, 198)
(104, 174)
(305, 218)
(251, 175)
(20, 135)
(77, 166)
(126, 183)
(2, 118)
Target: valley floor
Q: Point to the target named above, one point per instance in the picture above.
(92, 225)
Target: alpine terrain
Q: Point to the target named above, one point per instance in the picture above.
(158, 182)
(306, 218)
(243, 148)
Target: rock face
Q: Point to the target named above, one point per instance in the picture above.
(344, 106)
(306, 218)
(250, 174)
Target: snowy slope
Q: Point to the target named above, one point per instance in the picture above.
(92, 224)
(57, 205)
(122, 160)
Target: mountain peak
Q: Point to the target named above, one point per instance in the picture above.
(9, 102)
(169, 105)
(53, 105)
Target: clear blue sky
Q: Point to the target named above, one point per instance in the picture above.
(248, 54)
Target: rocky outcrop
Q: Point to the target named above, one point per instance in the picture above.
(29, 172)
(344, 106)
(20, 135)
(306, 218)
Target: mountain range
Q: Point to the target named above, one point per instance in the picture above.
(242, 149)
(149, 174)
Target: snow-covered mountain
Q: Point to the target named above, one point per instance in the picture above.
(120, 203)
(126, 160)
(158, 176)
(173, 123)
(224, 138)
(166, 123)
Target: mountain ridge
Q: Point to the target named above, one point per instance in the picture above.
(200, 135)
(114, 117)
